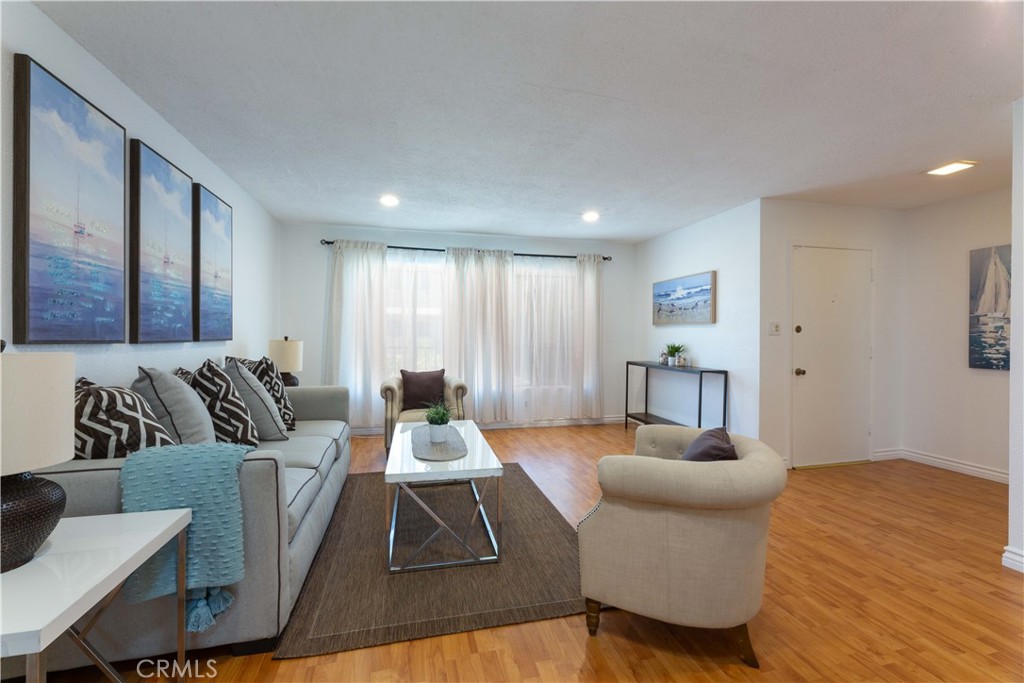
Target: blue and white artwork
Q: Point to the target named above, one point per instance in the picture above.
(161, 248)
(69, 214)
(685, 300)
(212, 233)
(988, 337)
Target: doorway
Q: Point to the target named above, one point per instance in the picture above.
(831, 346)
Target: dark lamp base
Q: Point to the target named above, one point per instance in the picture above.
(30, 508)
(289, 379)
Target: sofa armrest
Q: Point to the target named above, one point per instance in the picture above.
(755, 480)
(454, 392)
(319, 403)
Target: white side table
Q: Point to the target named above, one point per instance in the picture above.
(83, 564)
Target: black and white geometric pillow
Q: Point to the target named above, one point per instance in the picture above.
(112, 422)
(232, 422)
(269, 376)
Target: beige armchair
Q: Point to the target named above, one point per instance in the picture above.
(679, 541)
(391, 391)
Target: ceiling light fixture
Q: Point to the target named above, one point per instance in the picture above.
(952, 168)
(389, 200)
(591, 216)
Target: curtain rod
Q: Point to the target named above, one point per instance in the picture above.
(606, 258)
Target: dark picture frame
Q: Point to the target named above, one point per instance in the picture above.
(69, 214)
(161, 248)
(212, 266)
(686, 300)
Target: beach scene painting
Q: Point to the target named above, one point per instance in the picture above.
(161, 229)
(988, 337)
(685, 300)
(212, 265)
(69, 214)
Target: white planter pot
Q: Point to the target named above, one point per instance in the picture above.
(438, 433)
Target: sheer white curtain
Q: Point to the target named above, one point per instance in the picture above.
(588, 399)
(354, 334)
(478, 329)
(557, 336)
(414, 297)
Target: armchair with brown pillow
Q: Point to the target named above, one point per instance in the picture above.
(407, 396)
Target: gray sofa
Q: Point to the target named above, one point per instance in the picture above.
(289, 491)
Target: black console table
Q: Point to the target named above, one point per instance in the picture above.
(650, 418)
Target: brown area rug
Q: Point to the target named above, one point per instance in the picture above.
(350, 600)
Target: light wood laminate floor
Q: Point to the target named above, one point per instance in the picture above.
(888, 571)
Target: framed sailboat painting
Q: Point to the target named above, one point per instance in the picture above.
(211, 265)
(989, 322)
(69, 214)
(161, 248)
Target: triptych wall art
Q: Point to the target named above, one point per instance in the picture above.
(988, 337)
(69, 229)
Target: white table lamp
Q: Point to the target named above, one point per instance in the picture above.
(287, 356)
(37, 429)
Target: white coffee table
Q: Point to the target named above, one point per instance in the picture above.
(84, 563)
(404, 472)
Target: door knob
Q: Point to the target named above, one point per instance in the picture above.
(799, 372)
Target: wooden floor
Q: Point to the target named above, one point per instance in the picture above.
(888, 571)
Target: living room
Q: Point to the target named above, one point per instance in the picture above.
(926, 405)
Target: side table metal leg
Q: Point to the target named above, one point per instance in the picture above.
(35, 668)
(181, 604)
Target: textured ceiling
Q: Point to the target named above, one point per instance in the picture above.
(513, 118)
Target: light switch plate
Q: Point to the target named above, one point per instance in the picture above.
(774, 328)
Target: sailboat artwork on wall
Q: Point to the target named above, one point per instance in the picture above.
(989, 330)
(69, 219)
(161, 254)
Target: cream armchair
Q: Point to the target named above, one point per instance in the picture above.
(679, 541)
(391, 391)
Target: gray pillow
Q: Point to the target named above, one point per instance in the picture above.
(176, 406)
(269, 425)
(712, 444)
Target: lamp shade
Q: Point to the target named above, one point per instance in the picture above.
(37, 410)
(286, 354)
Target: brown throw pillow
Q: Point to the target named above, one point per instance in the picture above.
(112, 422)
(232, 422)
(420, 389)
(711, 445)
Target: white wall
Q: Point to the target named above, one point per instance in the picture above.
(27, 30)
(728, 243)
(306, 264)
(1014, 552)
(786, 223)
(953, 415)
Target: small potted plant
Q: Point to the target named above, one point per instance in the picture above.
(674, 352)
(437, 416)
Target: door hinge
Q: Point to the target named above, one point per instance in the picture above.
(869, 430)
(872, 274)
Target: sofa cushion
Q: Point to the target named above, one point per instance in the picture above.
(712, 444)
(111, 422)
(334, 429)
(413, 415)
(301, 486)
(232, 422)
(269, 425)
(176, 406)
(422, 388)
(312, 452)
(265, 370)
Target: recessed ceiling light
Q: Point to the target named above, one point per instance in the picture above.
(389, 200)
(952, 168)
(591, 216)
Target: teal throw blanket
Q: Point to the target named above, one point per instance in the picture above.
(203, 477)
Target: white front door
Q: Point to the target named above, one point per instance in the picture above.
(831, 297)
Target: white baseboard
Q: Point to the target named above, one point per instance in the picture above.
(611, 419)
(990, 473)
(1013, 558)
